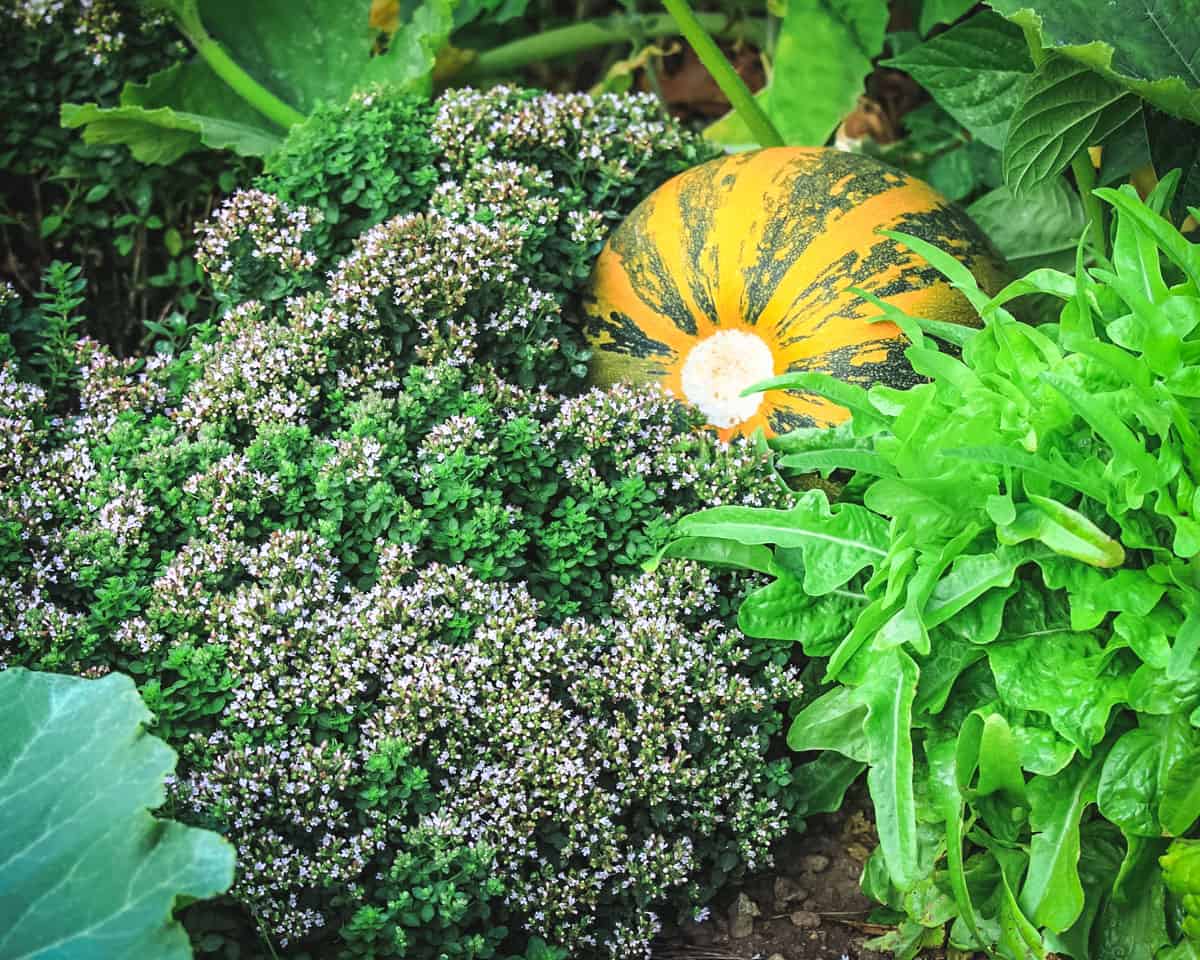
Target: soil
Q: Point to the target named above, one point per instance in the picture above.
(809, 907)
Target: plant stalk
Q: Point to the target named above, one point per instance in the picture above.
(723, 73)
(564, 41)
(1081, 164)
(229, 70)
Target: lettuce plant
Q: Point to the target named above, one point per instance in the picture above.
(1006, 603)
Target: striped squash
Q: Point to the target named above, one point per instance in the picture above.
(738, 270)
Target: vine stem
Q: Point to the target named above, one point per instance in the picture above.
(723, 73)
(564, 41)
(1081, 163)
(187, 18)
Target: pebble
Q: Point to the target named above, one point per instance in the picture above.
(805, 919)
(814, 863)
(787, 891)
(741, 917)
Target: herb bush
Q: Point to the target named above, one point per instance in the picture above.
(374, 557)
(1014, 556)
(127, 225)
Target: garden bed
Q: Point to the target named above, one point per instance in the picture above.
(527, 526)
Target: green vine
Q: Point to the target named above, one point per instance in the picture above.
(577, 37)
(723, 73)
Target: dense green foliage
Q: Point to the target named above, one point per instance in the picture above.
(127, 226)
(87, 870)
(380, 584)
(1005, 595)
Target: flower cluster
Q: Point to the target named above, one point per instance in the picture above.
(97, 21)
(380, 581)
(257, 245)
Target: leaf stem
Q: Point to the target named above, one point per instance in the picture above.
(564, 41)
(1081, 163)
(187, 18)
(723, 73)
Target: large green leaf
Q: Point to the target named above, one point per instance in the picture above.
(312, 51)
(822, 56)
(178, 110)
(975, 71)
(1065, 108)
(1039, 227)
(85, 871)
(1151, 47)
(304, 52)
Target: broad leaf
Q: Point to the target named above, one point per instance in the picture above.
(822, 56)
(888, 694)
(1151, 47)
(975, 71)
(1066, 107)
(305, 52)
(1038, 227)
(183, 108)
(85, 870)
(834, 721)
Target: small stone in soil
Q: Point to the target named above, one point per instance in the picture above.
(777, 956)
(856, 851)
(741, 917)
(805, 919)
(787, 891)
(814, 863)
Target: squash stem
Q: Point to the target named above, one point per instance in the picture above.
(187, 18)
(577, 37)
(723, 73)
(1081, 164)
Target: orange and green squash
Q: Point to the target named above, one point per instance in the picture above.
(740, 269)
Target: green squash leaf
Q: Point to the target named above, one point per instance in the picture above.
(304, 52)
(975, 71)
(1065, 108)
(85, 870)
(822, 56)
(1038, 227)
(1151, 47)
(934, 12)
(183, 108)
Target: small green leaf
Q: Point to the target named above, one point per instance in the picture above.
(50, 224)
